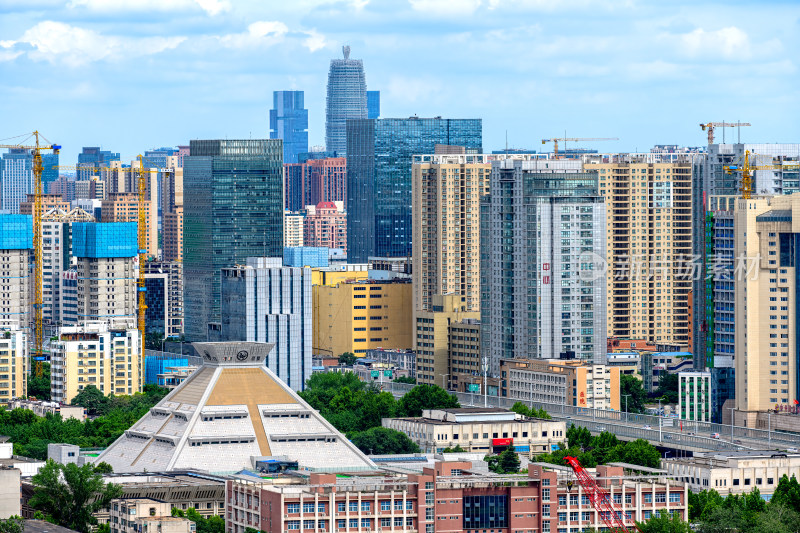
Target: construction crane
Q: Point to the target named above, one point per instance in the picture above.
(609, 512)
(555, 141)
(38, 300)
(141, 289)
(748, 169)
(709, 127)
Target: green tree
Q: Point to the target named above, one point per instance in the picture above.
(787, 493)
(103, 468)
(154, 340)
(703, 503)
(579, 436)
(91, 399)
(405, 379)
(347, 359)
(633, 386)
(642, 453)
(69, 495)
(540, 413)
(667, 388)
(664, 523)
(425, 397)
(509, 461)
(12, 525)
(384, 441)
(39, 387)
(521, 409)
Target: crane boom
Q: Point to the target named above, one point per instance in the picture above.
(38, 273)
(747, 169)
(556, 140)
(609, 513)
(709, 126)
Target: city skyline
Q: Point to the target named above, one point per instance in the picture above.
(207, 69)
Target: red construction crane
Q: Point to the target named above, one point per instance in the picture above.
(609, 512)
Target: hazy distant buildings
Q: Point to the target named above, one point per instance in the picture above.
(233, 209)
(347, 99)
(16, 177)
(314, 181)
(293, 228)
(288, 120)
(93, 157)
(379, 196)
(540, 294)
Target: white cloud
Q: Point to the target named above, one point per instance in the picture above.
(212, 7)
(446, 7)
(315, 41)
(57, 42)
(261, 33)
(730, 43)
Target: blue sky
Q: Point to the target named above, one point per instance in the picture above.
(134, 74)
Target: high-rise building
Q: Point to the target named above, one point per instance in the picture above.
(373, 104)
(91, 189)
(16, 243)
(648, 245)
(14, 347)
(326, 225)
(233, 209)
(95, 354)
(379, 192)
(157, 157)
(447, 191)
(315, 181)
(432, 337)
(106, 272)
(63, 186)
(288, 120)
(293, 223)
(94, 157)
(172, 210)
(694, 396)
(709, 178)
(164, 298)
(17, 179)
(265, 301)
(124, 207)
(541, 296)
(356, 316)
(49, 201)
(347, 99)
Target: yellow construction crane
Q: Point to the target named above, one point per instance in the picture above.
(141, 289)
(38, 300)
(555, 141)
(747, 169)
(709, 127)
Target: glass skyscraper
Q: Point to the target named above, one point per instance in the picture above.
(288, 120)
(379, 196)
(93, 156)
(347, 99)
(233, 209)
(16, 177)
(373, 104)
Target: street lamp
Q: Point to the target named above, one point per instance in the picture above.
(659, 418)
(444, 377)
(626, 396)
(731, 408)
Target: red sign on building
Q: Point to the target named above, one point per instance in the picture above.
(502, 442)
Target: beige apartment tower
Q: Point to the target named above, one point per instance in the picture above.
(648, 244)
(767, 232)
(13, 361)
(447, 192)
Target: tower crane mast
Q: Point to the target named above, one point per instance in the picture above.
(38, 300)
(609, 512)
(710, 126)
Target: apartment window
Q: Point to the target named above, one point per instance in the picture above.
(308, 507)
(674, 497)
(365, 506)
(340, 506)
(546, 494)
(628, 499)
(562, 517)
(648, 498)
(293, 524)
(308, 524)
(354, 523)
(562, 501)
(546, 510)
(386, 522)
(293, 508)
(386, 505)
(353, 507)
(398, 505)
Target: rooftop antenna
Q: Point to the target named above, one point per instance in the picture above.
(346, 51)
(506, 142)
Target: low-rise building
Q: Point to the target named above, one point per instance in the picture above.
(293, 228)
(629, 363)
(43, 408)
(445, 497)
(14, 360)
(9, 492)
(146, 515)
(694, 396)
(174, 376)
(27, 466)
(656, 364)
(561, 381)
(480, 429)
(733, 472)
(401, 359)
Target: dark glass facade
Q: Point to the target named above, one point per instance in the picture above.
(233, 209)
(484, 512)
(156, 300)
(379, 193)
(373, 104)
(288, 120)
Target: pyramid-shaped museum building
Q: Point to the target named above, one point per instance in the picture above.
(228, 414)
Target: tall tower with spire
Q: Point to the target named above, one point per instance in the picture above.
(347, 98)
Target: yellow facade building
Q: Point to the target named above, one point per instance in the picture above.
(432, 336)
(355, 316)
(325, 276)
(95, 354)
(13, 361)
(447, 192)
(648, 235)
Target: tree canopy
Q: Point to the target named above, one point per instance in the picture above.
(381, 440)
(69, 495)
(507, 462)
(604, 448)
(347, 359)
(39, 387)
(212, 524)
(524, 410)
(632, 386)
(425, 397)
